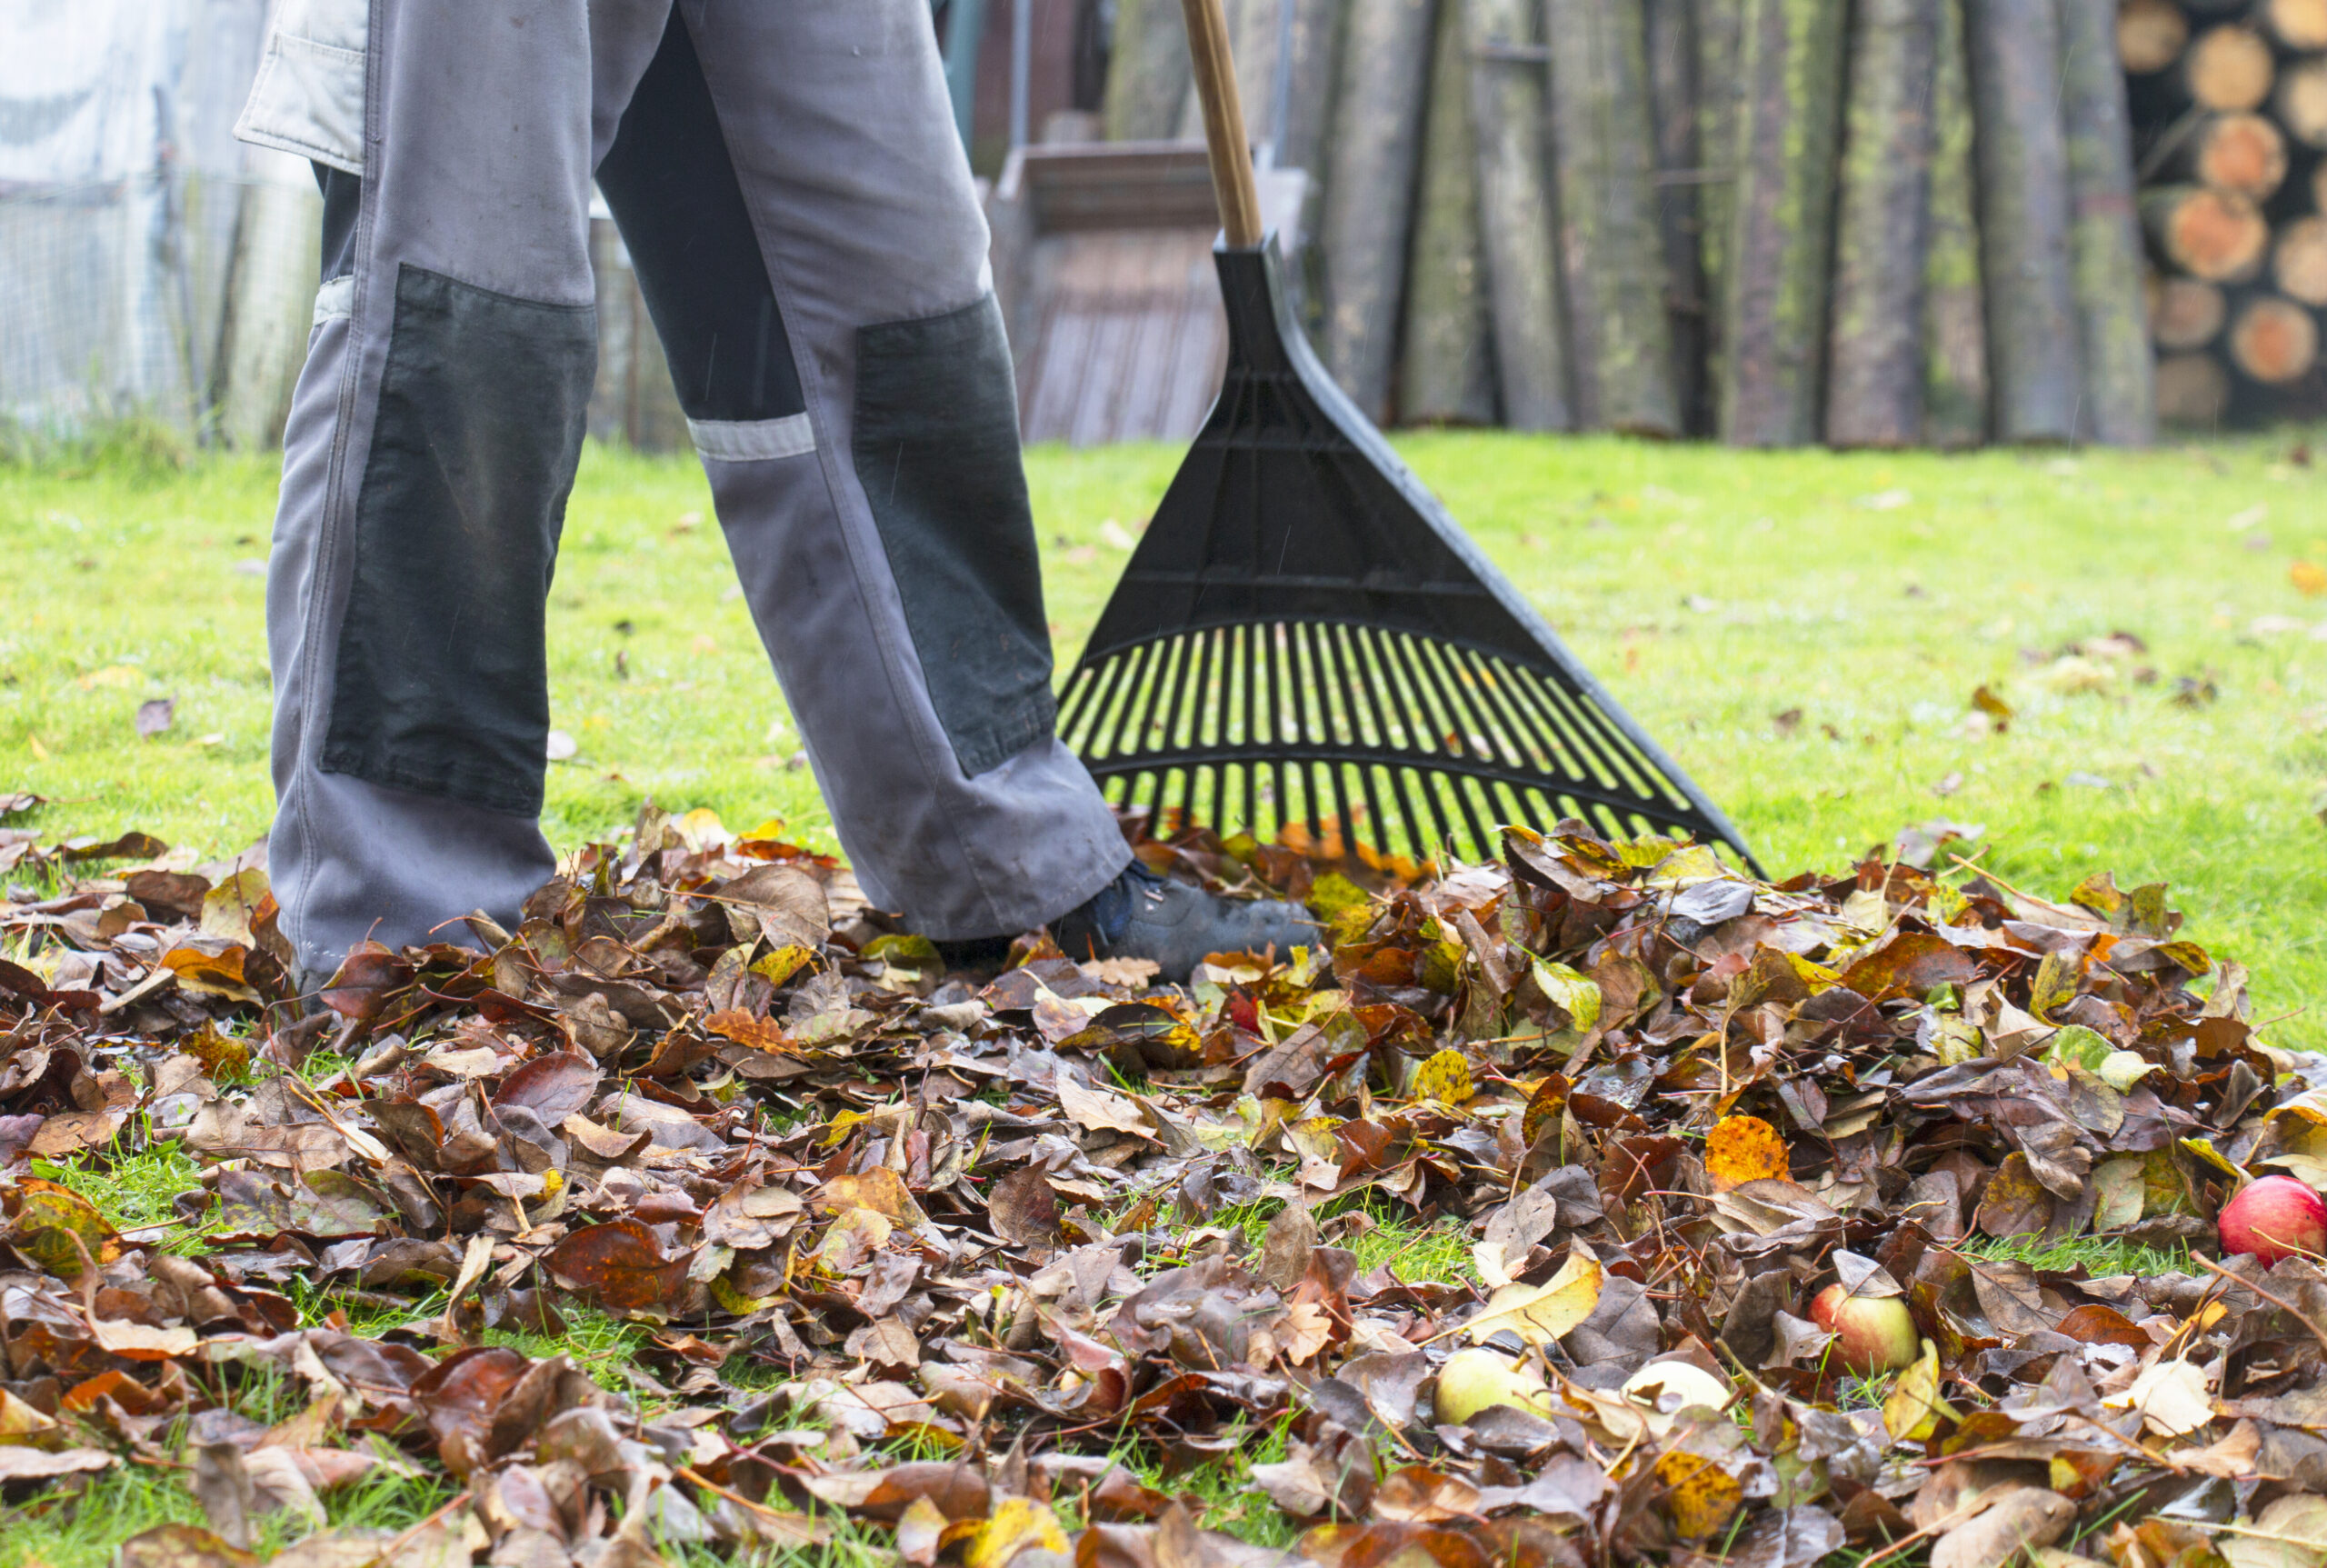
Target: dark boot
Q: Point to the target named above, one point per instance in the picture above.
(1143, 916)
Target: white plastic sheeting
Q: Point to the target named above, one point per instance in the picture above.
(144, 253)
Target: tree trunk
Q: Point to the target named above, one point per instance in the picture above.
(2192, 391)
(1875, 381)
(1370, 194)
(1148, 74)
(1309, 86)
(2300, 263)
(2015, 52)
(2301, 103)
(2234, 151)
(1445, 377)
(1721, 98)
(2186, 314)
(1955, 326)
(1787, 138)
(2150, 35)
(2271, 340)
(1515, 213)
(2120, 406)
(2229, 67)
(1604, 142)
(1672, 96)
(2209, 234)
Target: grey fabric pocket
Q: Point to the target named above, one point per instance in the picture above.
(440, 684)
(936, 447)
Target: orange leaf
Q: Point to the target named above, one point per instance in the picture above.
(759, 1033)
(1743, 1149)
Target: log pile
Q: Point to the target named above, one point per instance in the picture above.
(1865, 222)
(2229, 106)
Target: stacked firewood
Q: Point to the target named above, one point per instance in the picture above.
(1866, 223)
(2229, 101)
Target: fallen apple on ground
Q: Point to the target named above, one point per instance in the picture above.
(1872, 1334)
(1474, 1379)
(2273, 1218)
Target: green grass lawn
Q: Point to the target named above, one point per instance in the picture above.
(1803, 631)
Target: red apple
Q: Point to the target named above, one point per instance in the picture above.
(2274, 1218)
(1872, 1334)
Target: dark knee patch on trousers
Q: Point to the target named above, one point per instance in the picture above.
(937, 448)
(671, 185)
(441, 684)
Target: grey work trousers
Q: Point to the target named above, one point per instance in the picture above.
(802, 216)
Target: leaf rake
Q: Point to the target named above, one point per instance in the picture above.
(1305, 639)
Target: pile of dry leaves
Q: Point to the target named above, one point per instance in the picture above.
(981, 1242)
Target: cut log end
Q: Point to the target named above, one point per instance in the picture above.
(2186, 312)
(2193, 390)
(2217, 235)
(2301, 103)
(2230, 67)
(2150, 35)
(2300, 265)
(2297, 24)
(2274, 340)
(2243, 153)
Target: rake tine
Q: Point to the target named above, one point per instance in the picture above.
(1391, 653)
(1585, 742)
(1490, 680)
(1088, 715)
(1433, 704)
(1308, 682)
(1140, 701)
(1382, 665)
(1644, 781)
(1459, 782)
(1460, 684)
(1167, 716)
(1485, 684)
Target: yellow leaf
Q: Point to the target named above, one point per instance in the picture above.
(783, 963)
(1703, 1497)
(1445, 1078)
(1575, 993)
(2057, 980)
(2203, 1148)
(1742, 1149)
(1333, 893)
(229, 908)
(700, 829)
(1015, 1524)
(1914, 1411)
(1542, 1313)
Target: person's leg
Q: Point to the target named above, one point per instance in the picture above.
(808, 240)
(432, 442)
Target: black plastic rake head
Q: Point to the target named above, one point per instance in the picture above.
(1304, 637)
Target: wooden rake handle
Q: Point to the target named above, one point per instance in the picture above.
(1223, 124)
